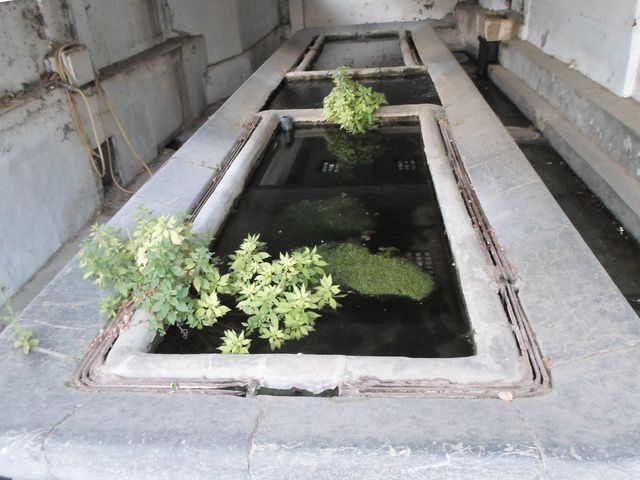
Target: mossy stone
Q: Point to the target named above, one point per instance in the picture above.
(355, 267)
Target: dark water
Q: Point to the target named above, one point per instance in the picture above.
(504, 108)
(398, 90)
(360, 53)
(391, 182)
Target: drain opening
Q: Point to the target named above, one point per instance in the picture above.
(422, 259)
(330, 167)
(406, 165)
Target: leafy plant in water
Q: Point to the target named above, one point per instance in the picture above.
(355, 267)
(21, 337)
(350, 104)
(168, 271)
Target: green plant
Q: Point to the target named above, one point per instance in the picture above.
(336, 217)
(355, 267)
(21, 337)
(350, 104)
(168, 271)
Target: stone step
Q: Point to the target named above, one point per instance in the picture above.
(613, 123)
(617, 189)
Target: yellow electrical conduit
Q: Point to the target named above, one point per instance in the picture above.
(98, 162)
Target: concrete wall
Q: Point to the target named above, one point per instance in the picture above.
(114, 31)
(161, 62)
(311, 13)
(47, 188)
(22, 39)
(239, 36)
(597, 38)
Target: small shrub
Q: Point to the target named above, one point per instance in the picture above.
(351, 105)
(355, 267)
(168, 271)
(22, 338)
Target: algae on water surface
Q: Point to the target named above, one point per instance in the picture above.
(355, 267)
(335, 218)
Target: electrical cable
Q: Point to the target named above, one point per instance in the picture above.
(99, 163)
(102, 91)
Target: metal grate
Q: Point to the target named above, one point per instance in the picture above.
(407, 165)
(422, 259)
(330, 167)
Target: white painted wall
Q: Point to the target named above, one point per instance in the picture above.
(312, 13)
(597, 38)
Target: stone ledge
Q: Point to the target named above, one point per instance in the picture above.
(610, 121)
(607, 179)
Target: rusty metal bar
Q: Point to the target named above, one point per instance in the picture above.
(226, 163)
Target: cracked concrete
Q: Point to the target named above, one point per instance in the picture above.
(54, 428)
(536, 441)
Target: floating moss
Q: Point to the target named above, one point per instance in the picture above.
(355, 267)
(337, 217)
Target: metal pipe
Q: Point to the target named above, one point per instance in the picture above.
(286, 124)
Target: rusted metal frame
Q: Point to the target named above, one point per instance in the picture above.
(361, 35)
(538, 379)
(84, 376)
(226, 163)
(537, 359)
(509, 293)
(475, 210)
